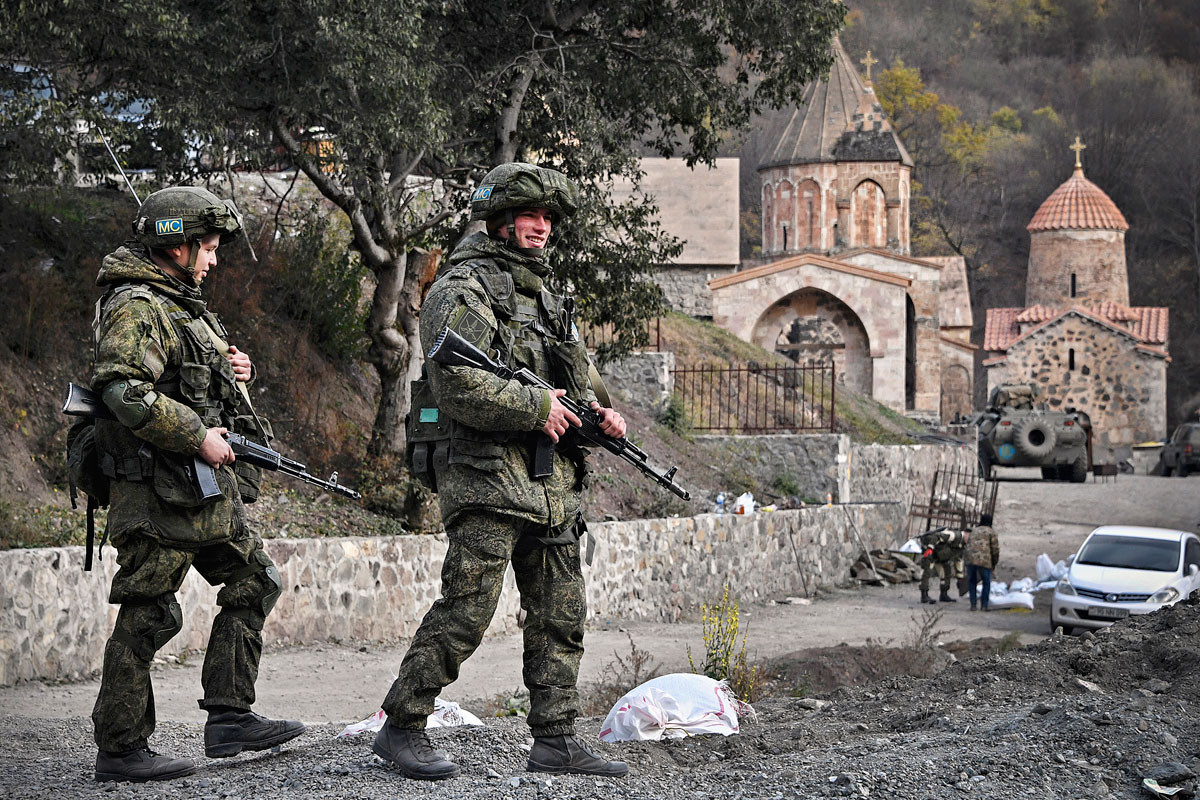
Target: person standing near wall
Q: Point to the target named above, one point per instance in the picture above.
(492, 292)
(982, 554)
(162, 369)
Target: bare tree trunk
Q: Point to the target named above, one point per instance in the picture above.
(392, 334)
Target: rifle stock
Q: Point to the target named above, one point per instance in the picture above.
(452, 350)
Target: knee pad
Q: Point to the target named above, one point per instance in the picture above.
(252, 593)
(146, 626)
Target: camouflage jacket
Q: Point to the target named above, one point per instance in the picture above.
(947, 544)
(495, 298)
(149, 331)
(983, 548)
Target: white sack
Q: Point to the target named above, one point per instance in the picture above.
(445, 715)
(1048, 570)
(674, 706)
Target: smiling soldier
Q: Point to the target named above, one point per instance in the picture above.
(496, 512)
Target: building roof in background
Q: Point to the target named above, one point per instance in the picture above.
(1078, 204)
(1147, 324)
(699, 206)
(839, 120)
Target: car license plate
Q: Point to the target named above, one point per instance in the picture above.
(1104, 612)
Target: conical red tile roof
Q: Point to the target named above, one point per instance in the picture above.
(1078, 204)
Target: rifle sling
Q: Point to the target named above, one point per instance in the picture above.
(223, 349)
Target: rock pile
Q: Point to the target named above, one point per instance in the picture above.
(884, 566)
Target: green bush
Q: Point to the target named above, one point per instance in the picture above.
(320, 282)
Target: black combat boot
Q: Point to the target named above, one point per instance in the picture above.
(570, 754)
(229, 732)
(945, 597)
(412, 753)
(925, 598)
(140, 766)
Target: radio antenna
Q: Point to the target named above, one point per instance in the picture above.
(118, 163)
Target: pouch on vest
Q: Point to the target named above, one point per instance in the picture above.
(84, 474)
(428, 433)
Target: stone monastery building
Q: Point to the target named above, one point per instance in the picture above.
(1077, 338)
(839, 282)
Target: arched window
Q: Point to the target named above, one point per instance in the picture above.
(1072, 284)
(869, 209)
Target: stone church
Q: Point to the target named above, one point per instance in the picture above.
(1077, 338)
(837, 281)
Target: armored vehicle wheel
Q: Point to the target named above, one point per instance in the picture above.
(1034, 438)
(1079, 470)
(1050, 473)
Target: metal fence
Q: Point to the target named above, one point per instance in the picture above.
(756, 399)
(594, 335)
(957, 498)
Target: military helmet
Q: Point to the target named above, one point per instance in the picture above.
(181, 214)
(519, 185)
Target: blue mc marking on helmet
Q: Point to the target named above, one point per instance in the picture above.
(483, 192)
(163, 227)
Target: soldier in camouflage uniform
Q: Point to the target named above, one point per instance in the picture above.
(491, 291)
(942, 551)
(174, 388)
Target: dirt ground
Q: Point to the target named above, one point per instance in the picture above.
(341, 683)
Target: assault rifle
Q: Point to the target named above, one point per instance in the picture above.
(83, 402)
(454, 351)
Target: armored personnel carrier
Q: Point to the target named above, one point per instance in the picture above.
(1016, 432)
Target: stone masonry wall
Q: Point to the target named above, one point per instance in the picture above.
(904, 473)
(1122, 388)
(54, 618)
(816, 463)
(643, 379)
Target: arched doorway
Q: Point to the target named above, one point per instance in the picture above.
(956, 392)
(814, 327)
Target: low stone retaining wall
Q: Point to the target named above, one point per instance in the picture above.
(55, 618)
(903, 472)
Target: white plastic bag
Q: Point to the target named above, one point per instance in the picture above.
(744, 504)
(1048, 570)
(445, 715)
(674, 706)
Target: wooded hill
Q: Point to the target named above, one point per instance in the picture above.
(988, 94)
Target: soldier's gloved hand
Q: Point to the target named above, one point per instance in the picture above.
(560, 418)
(611, 422)
(242, 368)
(215, 450)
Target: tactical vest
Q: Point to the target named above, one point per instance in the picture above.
(203, 380)
(534, 331)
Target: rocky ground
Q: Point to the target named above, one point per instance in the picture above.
(1068, 717)
(1061, 718)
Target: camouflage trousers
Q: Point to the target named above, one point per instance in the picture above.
(946, 570)
(150, 573)
(550, 581)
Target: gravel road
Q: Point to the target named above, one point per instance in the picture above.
(1013, 726)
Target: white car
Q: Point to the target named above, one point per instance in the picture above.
(1122, 570)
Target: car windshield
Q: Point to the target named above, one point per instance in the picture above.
(1130, 552)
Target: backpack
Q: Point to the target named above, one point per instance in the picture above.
(84, 474)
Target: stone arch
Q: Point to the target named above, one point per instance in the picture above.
(868, 215)
(808, 215)
(956, 392)
(812, 326)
